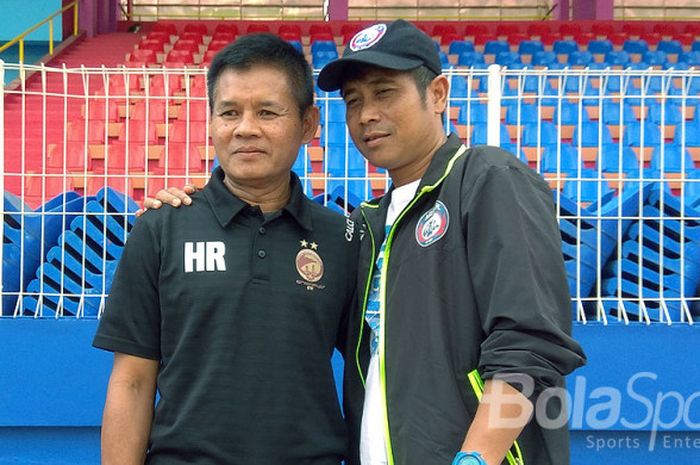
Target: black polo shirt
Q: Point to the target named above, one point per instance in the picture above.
(243, 312)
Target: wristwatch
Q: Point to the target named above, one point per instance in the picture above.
(468, 458)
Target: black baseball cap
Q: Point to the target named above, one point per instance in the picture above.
(398, 45)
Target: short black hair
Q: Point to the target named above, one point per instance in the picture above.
(265, 49)
(421, 75)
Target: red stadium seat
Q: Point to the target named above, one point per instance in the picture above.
(507, 29)
(440, 30)
(634, 29)
(481, 39)
(618, 38)
(101, 109)
(345, 29)
(539, 29)
(120, 157)
(159, 81)
(254, 28)
(180, 158)
(198, 28)
(685, 38)
(76, 155)
(197, 110)
(549, 39)
(144, 56)
(602, 29)
(35, 183)
(165, 27)
(666, 29)
(584, 37)
(448, 38)
(195, 37)
(473, 30)
(570, 29)
(139, 132)
(216, 45)
(152, 110)
(183, 131)
(228, 28)
(184, 44)
(185, 57)
(151, 44)
(516, 37)
(208, 56)
(90, 131)
(693, 28)
(294, 29)
(224, 36)
(652, 38)
(160, 36)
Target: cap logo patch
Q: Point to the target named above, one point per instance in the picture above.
(367, 37)
(432, 225)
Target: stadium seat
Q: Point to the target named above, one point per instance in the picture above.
(193, 110)
(616, 158)
(342, 160)
(152, 110)
(87, 131)
(691, 136)
(637, 46)
(101, 109)
(561, 158)
(195, 37)
(223, 36)
(120, 157)
(651, 137)
(198, 28)
(580, 58)
(600, 46)
(255, 28)
(507, 59)
(75, 159)
(525, 113)
(544, 58)
(146, 56)
(194, 132)
(479, 135)
(506, 29)
(180, 158)
(587, 188)
(675, 159)
(470, 58)
(602, 28)
(458, 87)
(569, 114)
(570, 28)
(323, 46)
(539, 29)
(668, 113)
(670, 46)
(138, 132)
(565, 47)
(636, 29)
(168, 28)
(617, 58)
(457, 47)
(540, 135)
(589, 133)
(187, 45)
(690, 58)
(471, 113)
(655, 58)
(530, 47)
(617, 113)
(494, 47)
(185, 57)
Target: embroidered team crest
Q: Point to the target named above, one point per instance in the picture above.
(432, 225)
(367, 37)
(309, 266)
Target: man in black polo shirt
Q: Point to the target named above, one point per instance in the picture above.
(231, 309)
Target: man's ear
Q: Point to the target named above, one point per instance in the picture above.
(438, 92)
(310, 123)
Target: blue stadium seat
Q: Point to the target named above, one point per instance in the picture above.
(444, 60)
(670, 47)
(655, 58)
(342, 160)
(588, 189)
(472, 112)
(457, 47)
(580, 58)
(332, 111)
(323, 46)
(616, 113)
(570, 113)
(321, 59)
(479, 135)
(508, 59)
(669, 113)
(600, 47)
(690, 58)
(494, 47)
(633, 134)
(692, 189)
(637, 46)
(334, 132)
(616, 158)
(617, 58)
(470, 58)
(530, 47)
(692, 133)
(695, 46)
(564, 47)
(297, 45)
(566, 161)
(302, 164)
(673, 159)
(590, 132)
(544, 58)
(522, 114)
(458, 87)
(545, 133)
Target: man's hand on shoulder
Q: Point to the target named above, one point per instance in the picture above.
(171, 196)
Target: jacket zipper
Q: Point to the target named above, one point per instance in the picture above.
(382, 296)
(368, 284)
(477, 385)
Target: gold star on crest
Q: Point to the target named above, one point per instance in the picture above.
(314, 246)
(303, 243)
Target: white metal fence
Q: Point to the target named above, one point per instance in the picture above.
(618, 147)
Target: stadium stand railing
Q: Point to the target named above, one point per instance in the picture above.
(617, 141)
